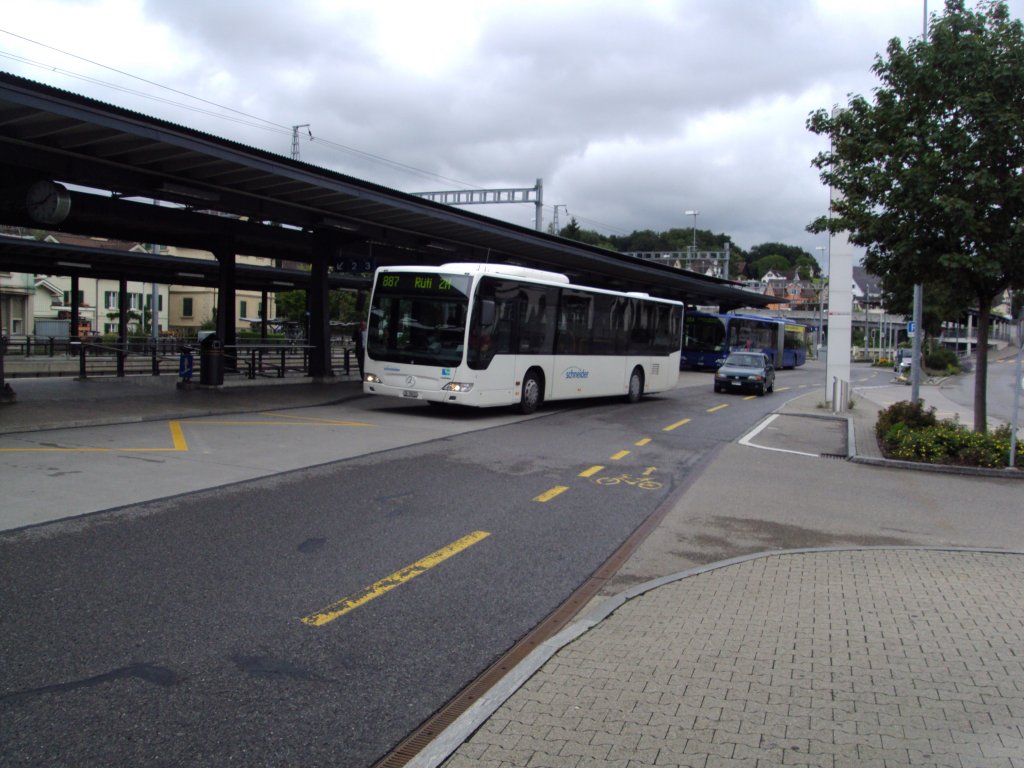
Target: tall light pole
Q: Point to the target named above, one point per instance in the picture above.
(694, 214)
(918, 305)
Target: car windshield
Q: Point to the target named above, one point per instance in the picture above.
(744, 361)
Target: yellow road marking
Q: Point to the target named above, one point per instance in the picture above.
(281, 424)
(750, 397)
(549, 495)
(181, 445)
(649, 471)
(782, 389)
(177, 436)
(177, 440)
(643, 442)
(318, 420)
(670, 427)
(718, 407)
(343, 606)
(619, 455)
(592, 471)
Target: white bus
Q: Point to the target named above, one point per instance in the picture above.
(492, 334)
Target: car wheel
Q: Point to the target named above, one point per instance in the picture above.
(760, 390)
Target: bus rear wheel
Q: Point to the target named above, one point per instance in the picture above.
(529, 400)
(636, 386)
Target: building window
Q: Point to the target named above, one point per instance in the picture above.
(110, 299)
(159, 302)
(186, 307)
(243, 309)
(67, 298)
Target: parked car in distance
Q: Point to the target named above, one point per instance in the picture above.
(902, 362)
(746, 371)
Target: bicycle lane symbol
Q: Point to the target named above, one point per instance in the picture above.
(642, 481)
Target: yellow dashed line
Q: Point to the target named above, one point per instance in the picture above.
(592, 471)
(642, 443)
(670, 427)
(619, 455)
(340, 608)
(549, 495)
(718, 407)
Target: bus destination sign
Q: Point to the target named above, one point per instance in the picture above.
(430, 284)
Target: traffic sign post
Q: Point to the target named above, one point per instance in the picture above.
(1019, 380)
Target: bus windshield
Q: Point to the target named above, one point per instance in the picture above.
(418, 318)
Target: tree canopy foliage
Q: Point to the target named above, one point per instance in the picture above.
(648, 241)
(930, 172)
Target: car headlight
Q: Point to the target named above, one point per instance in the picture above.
(457, 386)
(757, 377)
(373, 378)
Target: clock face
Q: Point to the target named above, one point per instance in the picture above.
(48, 202)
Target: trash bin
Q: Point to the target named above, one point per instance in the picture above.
(211, 359)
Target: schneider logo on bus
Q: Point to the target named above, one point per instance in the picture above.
(576, 373)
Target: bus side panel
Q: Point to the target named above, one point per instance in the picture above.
(588, 376)
(662, 374)
(497, 384)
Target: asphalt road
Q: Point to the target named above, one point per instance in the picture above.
(999, 392)
(313, 616)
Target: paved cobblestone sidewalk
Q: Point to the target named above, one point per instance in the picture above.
(873, 657)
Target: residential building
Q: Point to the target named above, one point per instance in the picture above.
(40, 305)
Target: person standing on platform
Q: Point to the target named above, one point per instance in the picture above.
(359, 337)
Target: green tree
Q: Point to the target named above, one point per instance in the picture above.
(930, 172)
(763, 265)
(291, 305)
(807, 266)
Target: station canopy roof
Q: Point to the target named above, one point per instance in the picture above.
(218, 194)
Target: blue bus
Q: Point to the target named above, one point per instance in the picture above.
(708, 338)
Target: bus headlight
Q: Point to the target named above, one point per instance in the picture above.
(457, 386)
(373, 378)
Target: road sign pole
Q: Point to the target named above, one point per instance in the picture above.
(1018, 384)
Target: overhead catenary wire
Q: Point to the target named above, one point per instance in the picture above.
(220, 111)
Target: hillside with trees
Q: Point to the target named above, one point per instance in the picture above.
(743, 265)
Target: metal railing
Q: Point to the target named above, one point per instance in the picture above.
(86, 358)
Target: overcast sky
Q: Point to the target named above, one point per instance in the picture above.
(631, 111)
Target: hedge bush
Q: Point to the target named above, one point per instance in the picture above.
(905, 412)
(941, 359)
(909, 432)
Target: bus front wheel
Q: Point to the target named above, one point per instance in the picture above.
(636, 386)
(530, 398)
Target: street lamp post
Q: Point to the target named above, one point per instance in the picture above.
(694, 214)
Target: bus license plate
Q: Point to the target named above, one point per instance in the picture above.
(409, 393)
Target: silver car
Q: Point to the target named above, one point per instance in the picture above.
(746, 371)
